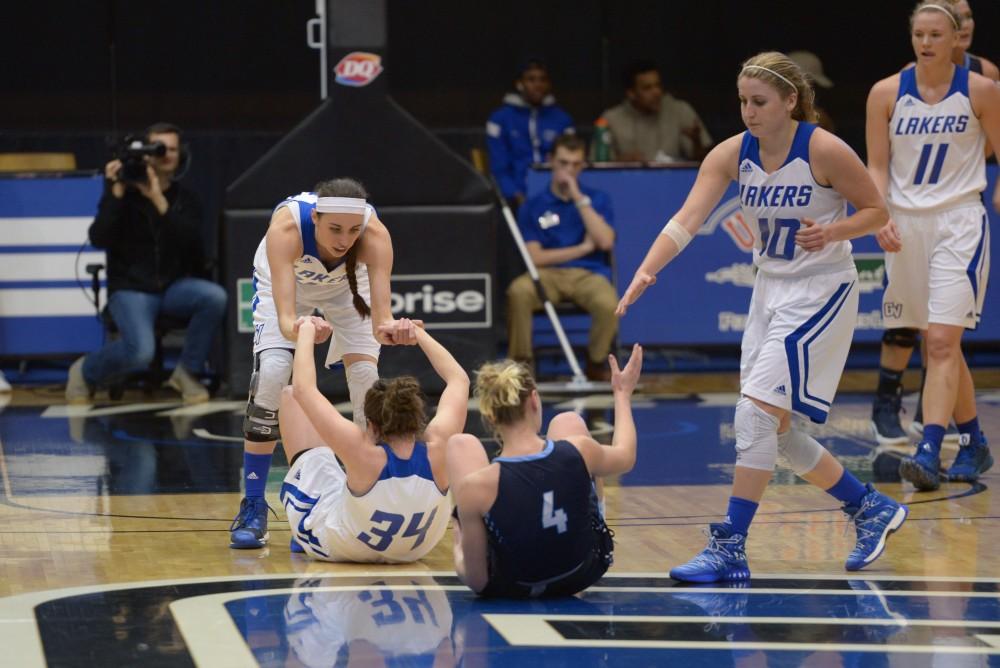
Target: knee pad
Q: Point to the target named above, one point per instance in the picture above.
(902, 337)
(800, 451)
(272, 370)
(260, 424)
(756, 436)
(360, 377)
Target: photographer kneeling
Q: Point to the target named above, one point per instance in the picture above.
(150, 227)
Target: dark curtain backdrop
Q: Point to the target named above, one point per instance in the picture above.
(244, 65)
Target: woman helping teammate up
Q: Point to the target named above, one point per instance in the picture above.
(795, 181)
(329, 251)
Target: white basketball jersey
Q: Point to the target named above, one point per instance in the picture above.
(936, 149)
(775, 204)
(311, 274)
(400, 519)
(406, 625)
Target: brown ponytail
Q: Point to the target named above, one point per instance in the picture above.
(350, 266)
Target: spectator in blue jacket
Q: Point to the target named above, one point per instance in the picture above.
(522, 131)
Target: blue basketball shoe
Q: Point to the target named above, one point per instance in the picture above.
(249, 530)
(875, 519)
(295, 548)
(972, 461)
(885, 421)
(923, 468)
(725, 558)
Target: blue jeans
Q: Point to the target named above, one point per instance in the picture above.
(135, 314)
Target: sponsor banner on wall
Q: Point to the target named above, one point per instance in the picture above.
(444, 301)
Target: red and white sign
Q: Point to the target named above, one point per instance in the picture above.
(358, 68)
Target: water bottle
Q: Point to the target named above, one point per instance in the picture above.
(602, 140)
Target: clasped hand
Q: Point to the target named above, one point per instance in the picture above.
(401, 332)
(320, 326)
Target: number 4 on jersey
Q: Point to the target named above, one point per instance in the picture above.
(551, 516)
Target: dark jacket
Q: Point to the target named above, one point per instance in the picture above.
(518, 134)
(147, 251)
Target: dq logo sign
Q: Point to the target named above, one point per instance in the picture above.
(358, 68)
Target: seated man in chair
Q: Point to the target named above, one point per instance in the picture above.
(150, 227)
(569, 235)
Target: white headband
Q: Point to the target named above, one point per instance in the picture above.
(341, 205)
(940, 9)
(758, 67)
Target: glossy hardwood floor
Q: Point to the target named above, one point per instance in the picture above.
(65, 525)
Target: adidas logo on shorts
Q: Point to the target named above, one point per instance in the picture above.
(252, 476)
(780, 390)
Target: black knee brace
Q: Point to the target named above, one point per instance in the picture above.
(902, 337)
(260, 425)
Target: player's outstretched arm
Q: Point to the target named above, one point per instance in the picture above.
(284, 245)
(377, 253)
(345, 437)
(453, 406)
(620, 457)
(714, 176)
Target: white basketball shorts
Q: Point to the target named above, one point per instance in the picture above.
(351, 332)
(313, 486)
(797, 337)
(941, 273)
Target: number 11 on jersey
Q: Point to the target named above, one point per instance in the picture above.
(925, 158)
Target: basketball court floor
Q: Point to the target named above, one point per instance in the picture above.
(114, 552)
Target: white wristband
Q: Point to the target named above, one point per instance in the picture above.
(678, 233)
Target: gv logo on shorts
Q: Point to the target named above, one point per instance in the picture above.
(892, 310)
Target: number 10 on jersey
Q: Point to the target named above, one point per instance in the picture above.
(777, 237)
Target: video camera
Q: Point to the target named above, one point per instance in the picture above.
(133, 155)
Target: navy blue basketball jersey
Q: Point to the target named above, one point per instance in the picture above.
(545, 525)
(973, 63)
